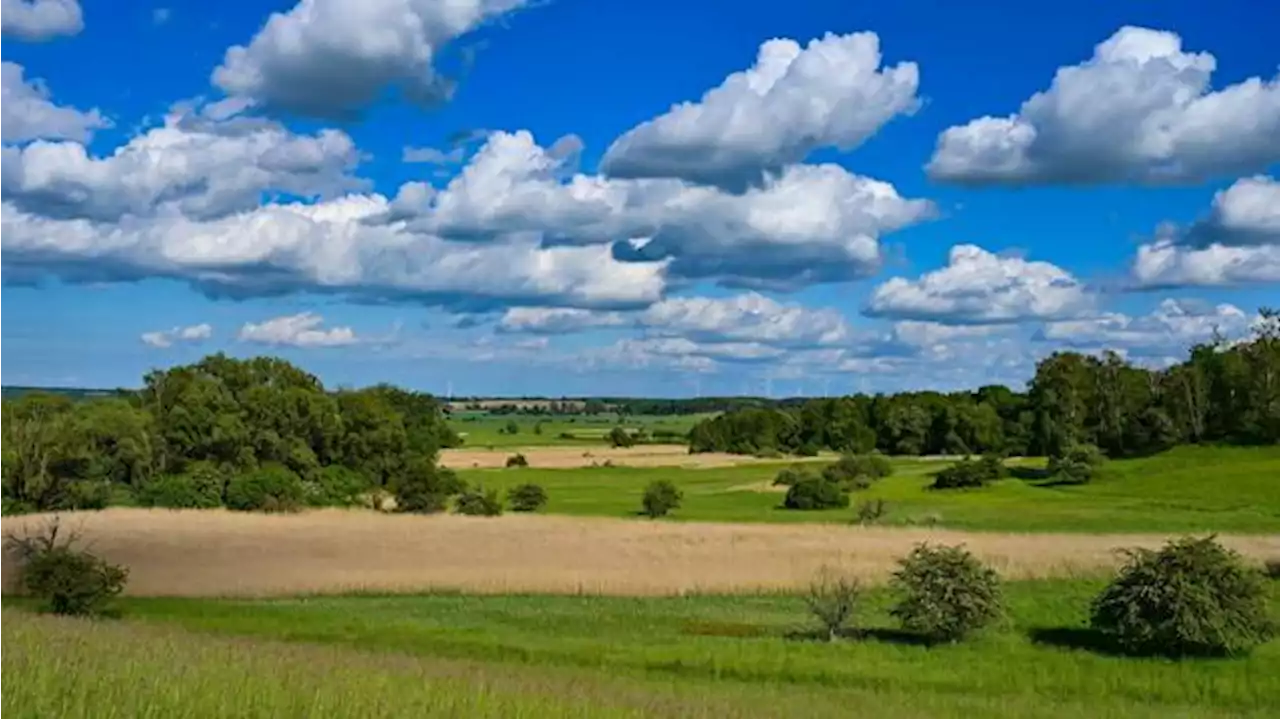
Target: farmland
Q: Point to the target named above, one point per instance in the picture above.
(486, 430)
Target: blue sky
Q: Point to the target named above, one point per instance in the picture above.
(501, 198)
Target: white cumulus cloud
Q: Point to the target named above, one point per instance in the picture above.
(979, 287)
(330, 58)
(167, 338)
(304, 329)
(39, 20)
(27, 113)
(794, 100)
(1170, 329)
(1140, 110)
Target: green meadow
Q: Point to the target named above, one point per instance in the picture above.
(482, 429)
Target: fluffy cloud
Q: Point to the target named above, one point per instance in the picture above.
(1238, 242)
(1170, 329)
(1140, 110)
(300, 330)
(330, 58)
(745, 318)
(28, 113)
(167, 338)
(809, 224)
(38, 20)
(978, 287)
(194, 165)
(794, 100)
(323, 247)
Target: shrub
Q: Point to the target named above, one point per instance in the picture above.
(511, 427)
(789, 476)
(858, 471)
(192, 490)
(831, 599)
(479, 502)
(945, 593)
(1193, 596)
(619, 437)
(335, 486)
(660, 498)
(567, 435)
(1271, 568)
(969, 473)
(270, 488)
(816, 493)
(1077, 465)
(808, 449)
(425, 488)
(517, 460)
(871, 511)
(527, 498)
(66, 579)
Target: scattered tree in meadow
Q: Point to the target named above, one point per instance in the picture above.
(858, 471)
(832, 598)
(661, 497)
(527, 497)
(970, 473)
(479, 502)
(816, 493)
(425, 488)
(945, 593)
(1193, 596)
(68, 580)
(517, 460)
(620, 437)
(1077, 464)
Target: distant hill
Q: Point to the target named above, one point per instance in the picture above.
(75, 393)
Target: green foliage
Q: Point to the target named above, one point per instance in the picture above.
(66, 579)
(858, 471)
(270, 488)
(426, 488)
(945, 593)
(479, 502)
(660, 498)
(200, 487)
(871, 511)
(1271, 568)
(790, 476)
(620, 437)
(970, 473)
(1193, 596)
(816, 493)
(527, 497)
(517, 460)
(1077, 464)
(831, 599)
(335, 486)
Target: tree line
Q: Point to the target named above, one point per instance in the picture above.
(1224, 392)
(193, 429)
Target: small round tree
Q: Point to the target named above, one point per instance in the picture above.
(620, 437)
(527, 498)
(1078, 464)
(816, 493)
(660, 497)
(1193, 596)
(270, 488)
(425, 488)
(945, 593)
(517, 460)
(831, 599)
(479, 502)
(68, 580)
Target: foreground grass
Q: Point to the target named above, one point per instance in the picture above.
(1189, 489)
(459, 655)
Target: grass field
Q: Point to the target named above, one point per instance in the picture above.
(481, 429)
(1190, 489)
(539, 656)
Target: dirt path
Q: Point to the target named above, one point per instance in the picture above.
(215, 552)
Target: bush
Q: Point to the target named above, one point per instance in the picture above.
(478, 502)
(816, 493)
(1193, 596)
(831, 599)
(1271, 568)
(196, 489)
(789, 476)
(871, 511)
(968, 473)
(517, 460)
(270, 488)
(425, 488)
(808, 449)
(1077, 465)
(67, 580)
(858, 471)
(619, 437)
(335, 486)
(945, 593)
(527, 498)
(660, 498)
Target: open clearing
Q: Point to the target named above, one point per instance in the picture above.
(221, 553)
(647, 455)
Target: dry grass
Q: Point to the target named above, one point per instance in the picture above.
(648, 455)
(220, 553)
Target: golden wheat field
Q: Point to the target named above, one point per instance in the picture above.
(648, 455)
(221, 553)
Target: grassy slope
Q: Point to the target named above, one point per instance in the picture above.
(1229, 489)
(481, 430)
(739, 654)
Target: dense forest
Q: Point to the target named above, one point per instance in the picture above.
(1223, 392)
(191, 429)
